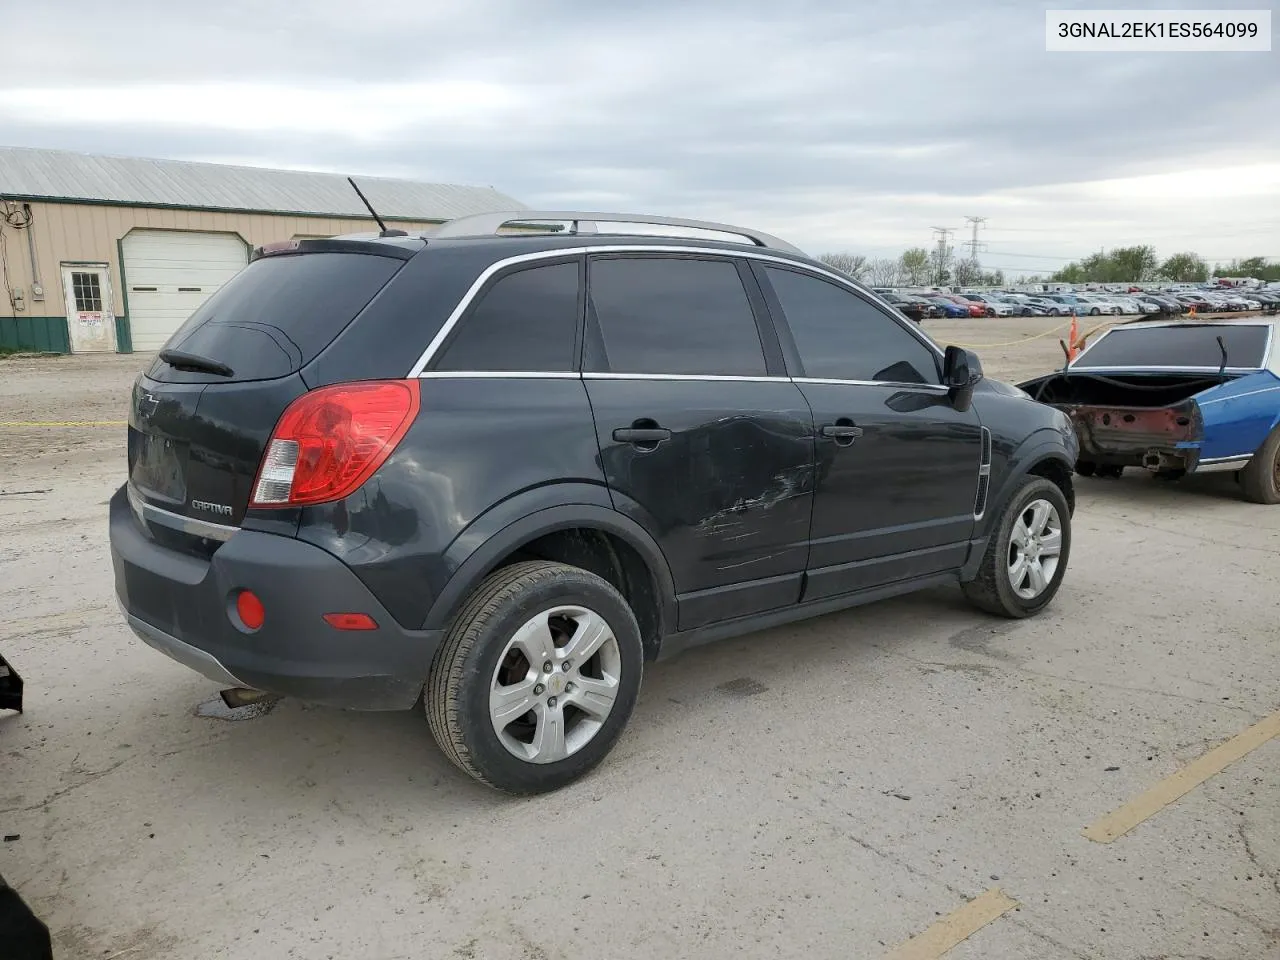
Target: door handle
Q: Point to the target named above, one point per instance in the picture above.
(648, 437)
(843, 431)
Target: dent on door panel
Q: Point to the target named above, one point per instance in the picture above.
(728, 497)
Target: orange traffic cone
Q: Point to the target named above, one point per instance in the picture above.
(1072, 336)
(1193, 311)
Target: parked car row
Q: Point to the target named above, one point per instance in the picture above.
(920, 305)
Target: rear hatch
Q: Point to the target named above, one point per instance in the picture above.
(201, 415)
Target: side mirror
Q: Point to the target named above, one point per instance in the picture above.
(961, 371)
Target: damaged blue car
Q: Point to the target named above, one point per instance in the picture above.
(1176, 398)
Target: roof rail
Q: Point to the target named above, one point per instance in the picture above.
(488, 224)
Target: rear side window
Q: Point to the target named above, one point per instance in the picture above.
(278, 313)
(526, 321)
(672, 316)
(841, 336)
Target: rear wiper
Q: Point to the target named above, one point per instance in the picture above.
(1222, 370)
(195, 363)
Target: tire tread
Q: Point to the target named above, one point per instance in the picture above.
(987, 590)
(1256, 479)
(444, 684)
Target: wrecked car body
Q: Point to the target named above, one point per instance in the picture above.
(1176, 398)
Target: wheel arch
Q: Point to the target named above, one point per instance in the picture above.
(1038, 456)
(594, 537)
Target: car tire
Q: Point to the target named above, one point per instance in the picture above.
(1086, 468)
(1055, 313)
(991, 312)
(488, 637)
(1001, 587)
(1109, 471)
(1260, 478)
(1094, 312)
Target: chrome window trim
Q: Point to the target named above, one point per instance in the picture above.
(498, 375)
(456, 314)
(699, 377)
(606, 375)
(897, 385)
(207, 529)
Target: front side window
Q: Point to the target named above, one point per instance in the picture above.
(526, 321)
(841, 336)
(672, 316)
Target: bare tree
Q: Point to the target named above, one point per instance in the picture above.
(940, 259)
(967, 272)
(852, 264)
(883, 272)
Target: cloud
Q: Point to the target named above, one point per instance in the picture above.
(854, 128)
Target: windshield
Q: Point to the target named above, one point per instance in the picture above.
(1180, 346)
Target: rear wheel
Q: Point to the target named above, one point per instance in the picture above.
(1026, 556)
(1094, 312)
(1260, 479)
(1086, 468)
(1109, 471)
(536, 678)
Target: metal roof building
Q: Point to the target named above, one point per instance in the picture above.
(104, 253)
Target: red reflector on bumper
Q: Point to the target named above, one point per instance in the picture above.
(250, 609)
(350, 621)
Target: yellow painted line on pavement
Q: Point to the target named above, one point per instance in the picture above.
(64, 423)
(954, 928)
(1148, 804)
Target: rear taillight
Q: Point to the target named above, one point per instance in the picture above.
(331, 440)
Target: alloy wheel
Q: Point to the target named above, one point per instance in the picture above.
(555, 684)
(1035, 548)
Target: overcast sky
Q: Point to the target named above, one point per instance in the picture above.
(839, 126)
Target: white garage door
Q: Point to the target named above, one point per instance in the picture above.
(170, 273)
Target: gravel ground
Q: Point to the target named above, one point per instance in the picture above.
(827, 789)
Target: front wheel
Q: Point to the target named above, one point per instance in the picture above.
(1094, 312)
(1027, 553)
(536, 678)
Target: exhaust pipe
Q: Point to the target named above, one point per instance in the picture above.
(1152, 461)
(235, 697)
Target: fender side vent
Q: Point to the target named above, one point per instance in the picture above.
(984, 476)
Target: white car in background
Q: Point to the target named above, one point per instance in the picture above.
(1104, 304)
(1126, 303)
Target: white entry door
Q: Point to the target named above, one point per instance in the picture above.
(90, 317)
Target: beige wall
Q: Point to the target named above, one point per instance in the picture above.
(80, 231)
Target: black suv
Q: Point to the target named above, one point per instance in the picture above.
(497, 468)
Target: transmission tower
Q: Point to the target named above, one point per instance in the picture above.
(944, 255)
(975, 245)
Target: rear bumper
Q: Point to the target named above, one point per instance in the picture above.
(1165, 438)
(183, 606)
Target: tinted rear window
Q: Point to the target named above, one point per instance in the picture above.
(279, 312)
(1180, 346)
